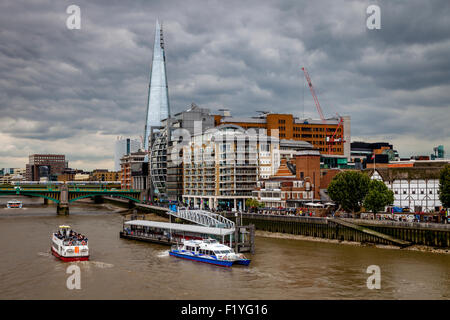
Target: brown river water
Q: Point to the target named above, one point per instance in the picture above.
(125, 269)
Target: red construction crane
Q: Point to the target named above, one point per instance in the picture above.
(319, 109)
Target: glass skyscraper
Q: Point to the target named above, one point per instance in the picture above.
(158, 94)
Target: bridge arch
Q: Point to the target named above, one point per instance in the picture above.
(41, 196)
(99, 194)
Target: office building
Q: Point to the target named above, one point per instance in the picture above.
(158, 93)
(104, 175)
(134, 173)
(45, 167)
(122, 147)
(330, 137)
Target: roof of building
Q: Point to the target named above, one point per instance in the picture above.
(330, 121)
(295, 144)
(242, 119)
(406, 173)
(283, 171)
(182, 227)
(262, 119)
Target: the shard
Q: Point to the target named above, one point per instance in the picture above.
(158, 93)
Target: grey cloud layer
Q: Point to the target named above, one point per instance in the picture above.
(61, 86)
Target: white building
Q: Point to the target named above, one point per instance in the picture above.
(222, 166)
(122, 147)
(415, 187)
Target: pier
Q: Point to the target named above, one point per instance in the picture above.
(166, 233)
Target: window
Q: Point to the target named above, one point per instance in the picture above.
(404, 191)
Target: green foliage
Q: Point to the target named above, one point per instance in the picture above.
(349, 188)
(444, 186)
(378, 196)
(253, 203)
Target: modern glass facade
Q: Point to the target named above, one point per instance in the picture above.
(158, 94)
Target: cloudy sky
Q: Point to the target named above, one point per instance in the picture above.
(74, 91)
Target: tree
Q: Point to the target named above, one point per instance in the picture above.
(348, 189)
(378, 196)
(444, 186)
(253, 203)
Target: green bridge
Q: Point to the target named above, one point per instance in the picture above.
(63, 194)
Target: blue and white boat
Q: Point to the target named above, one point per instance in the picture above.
(208, 251)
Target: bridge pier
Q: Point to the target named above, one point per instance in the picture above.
(62, 209)
(63, 205)
(98, 199)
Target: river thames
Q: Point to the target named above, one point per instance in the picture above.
(125, 269)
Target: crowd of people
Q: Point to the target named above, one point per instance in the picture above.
(71, 236)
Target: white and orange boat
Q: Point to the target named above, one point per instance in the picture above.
(67, 245)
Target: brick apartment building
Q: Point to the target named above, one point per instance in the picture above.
(295, 182)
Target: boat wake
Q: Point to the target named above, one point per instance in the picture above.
(44, 254)
(163, 254)
(101, 265)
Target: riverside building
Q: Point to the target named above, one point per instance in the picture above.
(166, 167)
(221, 166)
(415, 184)
(133, 173)
(122, 147)
(295, 182)
(316, 132)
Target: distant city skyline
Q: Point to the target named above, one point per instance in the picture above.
(73, 92)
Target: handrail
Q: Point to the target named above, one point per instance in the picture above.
(203, 217)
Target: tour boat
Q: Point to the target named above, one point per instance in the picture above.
(208, 251)
(14, 204)
(68, 245)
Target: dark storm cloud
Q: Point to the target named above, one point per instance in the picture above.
(69, 88)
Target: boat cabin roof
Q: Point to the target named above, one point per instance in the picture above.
(206, 231)
(207, 243)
